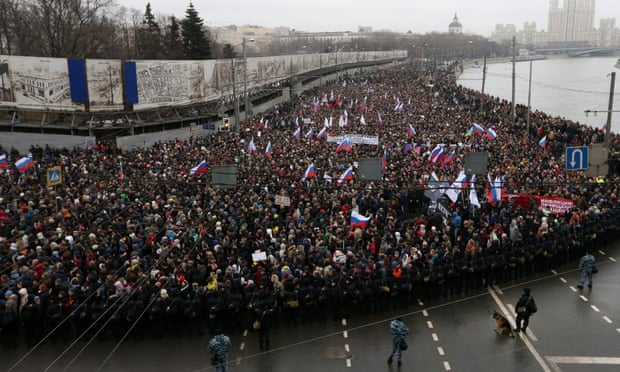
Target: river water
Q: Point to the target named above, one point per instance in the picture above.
(564, 87)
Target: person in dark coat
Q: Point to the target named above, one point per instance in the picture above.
(525, 307)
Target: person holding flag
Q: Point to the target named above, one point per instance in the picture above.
(268, 150)
(252, 147)
(309, 173)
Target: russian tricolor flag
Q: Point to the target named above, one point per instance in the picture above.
(199, 169)
(542, 142)
(3, 162)
(309, 133)
(345, 145)
(491, 134)
(437, 154)
(384, 160)
(411, 131)
(494, 189)
(24, 164)
(297, 132)
(346, 175)
(358, 220)
(478, 129)
(252, 147)
(121, 173)
(449, 159)
(309, 173)
(268, 150)
(322, 133)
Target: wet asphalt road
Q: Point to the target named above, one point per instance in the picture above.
(572, 331)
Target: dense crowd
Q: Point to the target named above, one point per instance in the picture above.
(162, 251)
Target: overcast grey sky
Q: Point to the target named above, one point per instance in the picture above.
(477, 16)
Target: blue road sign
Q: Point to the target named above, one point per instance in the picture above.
(54, 177)
(577, 158)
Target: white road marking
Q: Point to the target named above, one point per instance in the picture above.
(584, 298)
(245, 333)
(346, 348)
(554, 272)
(348, 363)
(563, 280)
(583, 360)
(345, 334)
(618, 330)
(525, 340)
(595, 308)
(420, 303)
(497, 289)
(436, 338)
(429, 324)
(601, 252)
(607, 319)
(344, 322)
(424, 312)
(440, 350)
(612, 259)
(446, 366)
(242, 346)
(572, 288)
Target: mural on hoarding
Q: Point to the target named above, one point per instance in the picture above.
(6, 95)
(40, 82)
(104, 83)
(43, 83)
(163, 83)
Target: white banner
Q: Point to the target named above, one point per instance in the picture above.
(361, 139)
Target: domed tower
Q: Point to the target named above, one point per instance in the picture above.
(455, 27)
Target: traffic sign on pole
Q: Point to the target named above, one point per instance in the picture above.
(54, 176)
(577, 158)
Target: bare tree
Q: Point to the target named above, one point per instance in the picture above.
(65, 28)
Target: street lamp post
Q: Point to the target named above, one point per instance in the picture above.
(245, 81)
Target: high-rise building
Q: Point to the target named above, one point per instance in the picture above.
(573, 23)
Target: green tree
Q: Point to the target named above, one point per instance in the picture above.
(196, 44)
(149, 39)
(173, 42)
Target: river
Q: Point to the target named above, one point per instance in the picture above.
(564, 87)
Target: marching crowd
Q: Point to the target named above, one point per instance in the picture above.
(153, 245)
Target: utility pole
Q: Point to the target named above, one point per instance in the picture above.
(245, 82)
(529, 100)
(235, 95)
(484, 73)
(610, 109)
(514, 75)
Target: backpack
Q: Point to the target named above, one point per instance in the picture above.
(531, 306)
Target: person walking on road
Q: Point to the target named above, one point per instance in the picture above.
(586, 265)
(219, 346)
(399, 332)
(525, 307)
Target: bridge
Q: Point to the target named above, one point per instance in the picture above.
(581, 51)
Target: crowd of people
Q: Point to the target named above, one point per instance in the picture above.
(153, 247)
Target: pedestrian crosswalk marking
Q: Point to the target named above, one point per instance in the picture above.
(435, 337)
(595, 308)
(612, 259)
(424, 312)
(584, 298)
(563, 280)
(573, 288)
(446, 366)
(429, 324)
(607, 319)
(601, 252)
(440, 350)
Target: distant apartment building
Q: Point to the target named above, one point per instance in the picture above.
(569, 25)
(503, 32)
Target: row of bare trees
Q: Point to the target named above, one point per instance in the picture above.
(103, 29)
(98, 29)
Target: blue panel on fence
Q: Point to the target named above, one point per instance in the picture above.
(77, 80)
(131, 83)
